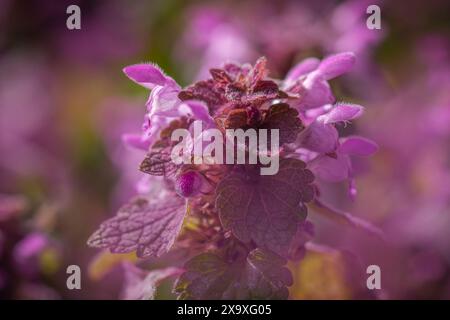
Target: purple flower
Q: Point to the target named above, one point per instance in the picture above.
(27, 252)
(338, 167)
(163, 104)
(308, 79)
(319, 144)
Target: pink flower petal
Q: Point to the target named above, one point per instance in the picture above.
(147, 75)
(336, 65)
(199, 111)
(303, 67)
(331, 169)
(318, 93)
(319, 137)
(342, 112)
(163, 101)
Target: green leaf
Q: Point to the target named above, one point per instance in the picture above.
(261, 275)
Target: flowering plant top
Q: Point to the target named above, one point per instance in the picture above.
(237, 227)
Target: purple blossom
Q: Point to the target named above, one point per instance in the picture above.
(27, 252)
(163, 104)
(309, 79)
(319, 144)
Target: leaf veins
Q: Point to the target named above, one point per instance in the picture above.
(266, 209)
(149, 228)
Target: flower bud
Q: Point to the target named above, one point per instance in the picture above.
(188, 184)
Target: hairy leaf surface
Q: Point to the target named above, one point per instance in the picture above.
(149, 228)
(284, 118)
(266, 209)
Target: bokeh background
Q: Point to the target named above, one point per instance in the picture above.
(64, 104)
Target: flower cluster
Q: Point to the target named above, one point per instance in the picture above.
(238, 228)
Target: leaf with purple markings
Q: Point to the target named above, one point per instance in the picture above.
(265, 209)
(149, 228)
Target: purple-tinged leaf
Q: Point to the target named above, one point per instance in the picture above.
(266, 276)
(234, 92)
(158, 163)
(258, 72)
(149, 228)
(220, 75)
(266, 89)
(260, 275)
(205, 91)
(207, 276)
(236, 118)
(266, 209)
(284, 118)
